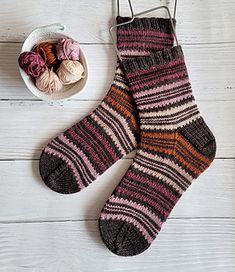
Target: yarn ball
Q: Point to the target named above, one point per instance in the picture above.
(70, 71)
(67, 49)
(48, 82)
(33, 63)
(50, 51)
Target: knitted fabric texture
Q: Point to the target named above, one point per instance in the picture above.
(176, 146)
(79, 155)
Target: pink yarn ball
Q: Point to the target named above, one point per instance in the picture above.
(67, 49)
(34, 64)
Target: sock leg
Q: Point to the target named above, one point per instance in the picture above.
(79, 155)
(176, 146)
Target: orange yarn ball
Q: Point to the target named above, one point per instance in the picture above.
(50, 51)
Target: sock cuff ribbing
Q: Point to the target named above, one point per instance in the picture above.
(145, 23)
(158, 58)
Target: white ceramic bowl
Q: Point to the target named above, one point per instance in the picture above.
(51, 33)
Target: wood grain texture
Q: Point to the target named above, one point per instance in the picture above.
(42, 231)
(196, 245)
(210, 81)
(24, 197)
(197, 21)
(28, 125)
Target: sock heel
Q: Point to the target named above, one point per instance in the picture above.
(201, 137)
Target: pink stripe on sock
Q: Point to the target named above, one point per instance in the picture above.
(153, 185)
(159, 74)
(140, 45)
(132, 213)
(108, 216)
(141, 197)
(136, 87)
(144, 33)
(145, 38)
(164, 96)
(64, 149)
(80, 154)
(137, 206)
(133, 53)
(105, 143)
(74, 135)
(165, 102)
(162, 206)
(157, 68)
(68, 162)
(160, 89)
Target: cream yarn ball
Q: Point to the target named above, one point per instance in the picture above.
(48, 82)
(70, 71)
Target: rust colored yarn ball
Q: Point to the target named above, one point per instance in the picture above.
(50, 51)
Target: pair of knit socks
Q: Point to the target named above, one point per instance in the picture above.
(149, 108)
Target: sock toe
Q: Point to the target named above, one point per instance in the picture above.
(57, 175)
(122, 238)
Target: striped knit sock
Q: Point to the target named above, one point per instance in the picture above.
(79, 155)
(176, 146)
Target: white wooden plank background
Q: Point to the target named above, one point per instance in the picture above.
(210, 81)
(44, 231)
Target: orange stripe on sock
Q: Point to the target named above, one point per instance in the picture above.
(122, 94)
(154, 135)
(118, 106)
(134, 123)
(198, 162)
(178, 138)
(190, 147)
(167, 151)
